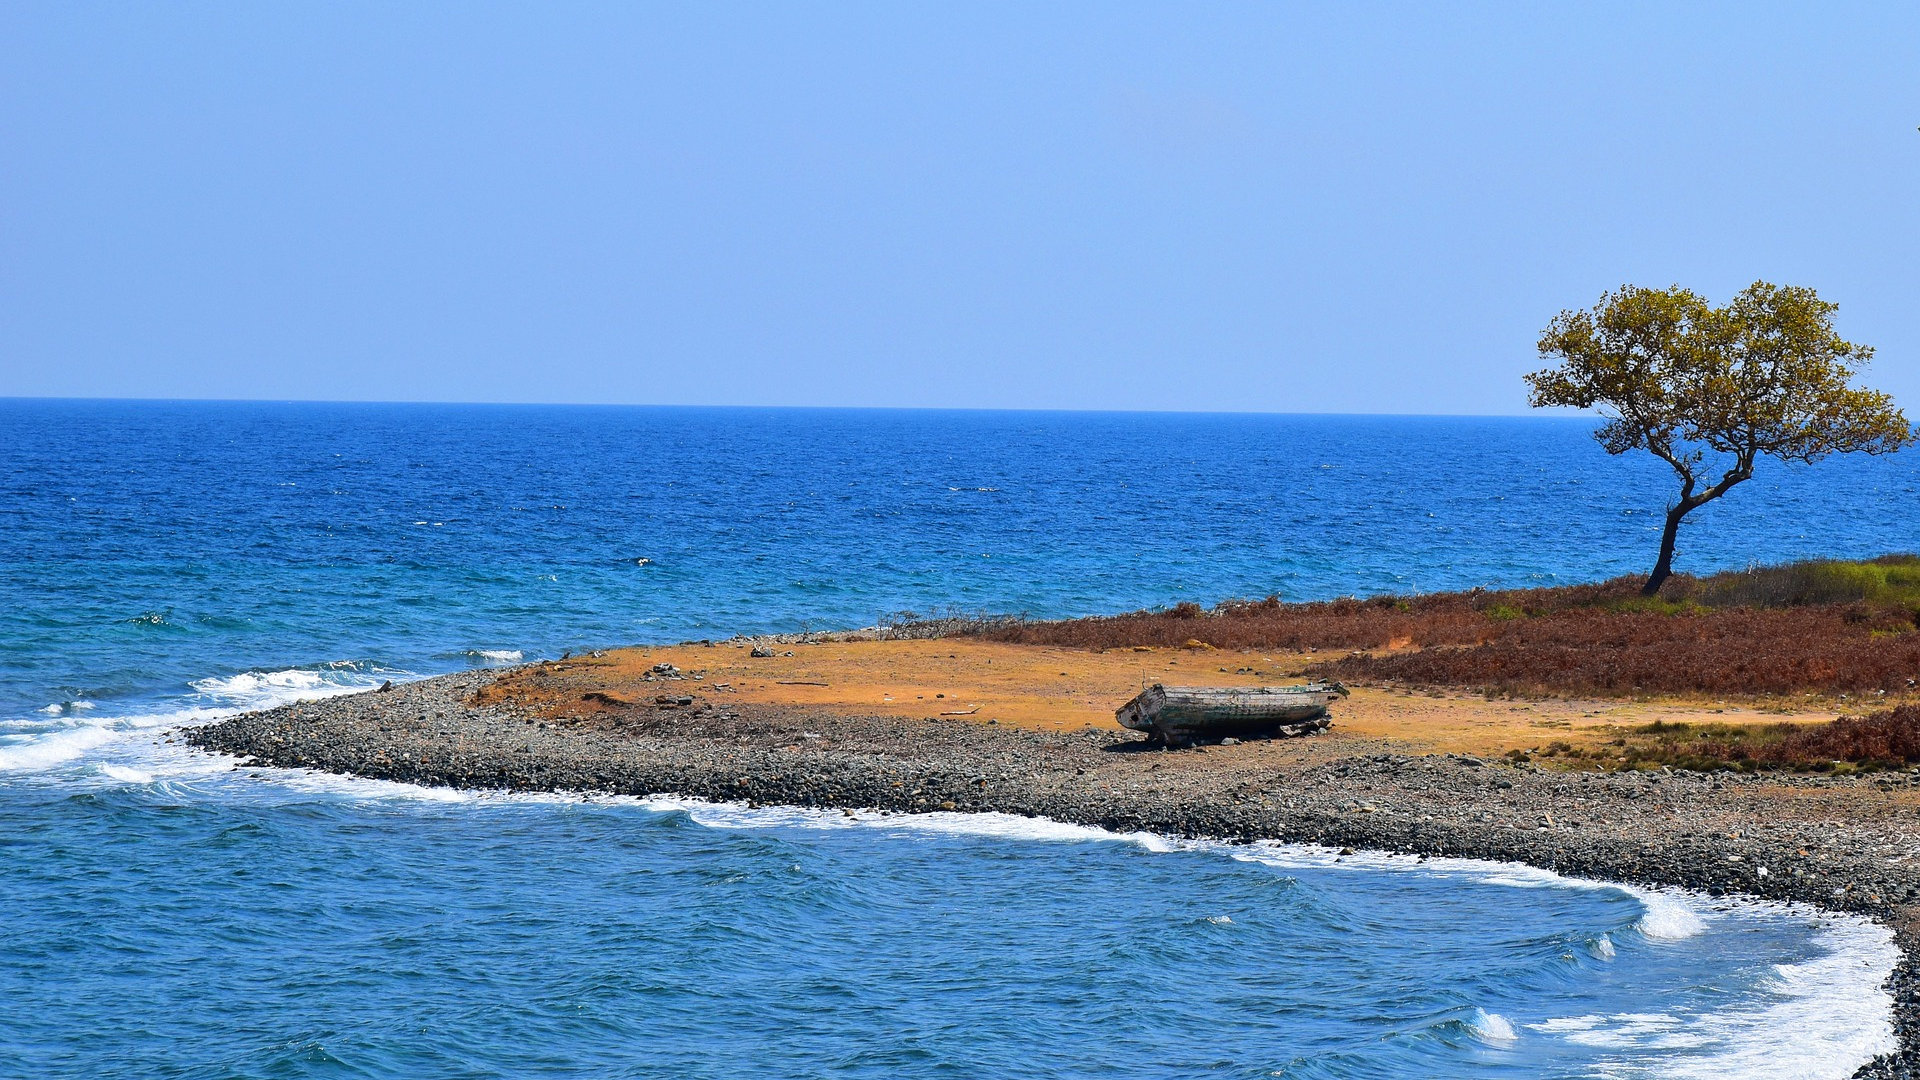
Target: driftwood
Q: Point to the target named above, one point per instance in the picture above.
(1181, 715)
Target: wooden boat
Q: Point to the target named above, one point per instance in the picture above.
(1182, 715)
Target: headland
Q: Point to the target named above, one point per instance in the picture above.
(968, 721)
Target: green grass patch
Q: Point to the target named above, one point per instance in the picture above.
(1888, 581)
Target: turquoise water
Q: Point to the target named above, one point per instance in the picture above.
(169, 916)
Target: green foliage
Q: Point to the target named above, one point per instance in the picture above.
(1889, 581)
(1673, 375)
(1709, 390)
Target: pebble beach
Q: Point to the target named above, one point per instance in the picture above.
(1834, 843)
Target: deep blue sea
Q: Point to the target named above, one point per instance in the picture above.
(166, 915)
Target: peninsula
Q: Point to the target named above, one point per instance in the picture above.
(1698, 787)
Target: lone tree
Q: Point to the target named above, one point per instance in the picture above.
(1711, 389)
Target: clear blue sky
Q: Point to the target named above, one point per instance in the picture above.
(1274, 207)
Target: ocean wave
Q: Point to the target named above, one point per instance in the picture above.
(41, 747)
(1820, 1017)
(497, 656)
(1833, 1006)
(126, 775)
(1669, 916)
(1826, 1015)
(1817, 1017)
(246, 683)
(43, 750)
(265, 689)
(1491, 1027)
(73, 729)
(311, 782)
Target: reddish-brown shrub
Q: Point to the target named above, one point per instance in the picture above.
(1884, 739)
(1460, 618)
(1587, 639)
(1722, 652)
(1891, 736)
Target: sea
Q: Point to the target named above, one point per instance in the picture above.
(165, 913)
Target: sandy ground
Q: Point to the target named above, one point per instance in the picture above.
(1052, 689)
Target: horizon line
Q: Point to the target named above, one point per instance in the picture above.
(1553, 413)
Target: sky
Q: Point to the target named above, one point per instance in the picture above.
(1221, 207)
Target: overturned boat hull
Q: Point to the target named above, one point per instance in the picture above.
(1179, 715)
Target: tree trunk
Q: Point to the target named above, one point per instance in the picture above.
(1663, 569)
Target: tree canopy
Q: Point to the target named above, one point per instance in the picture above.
(1709, 390)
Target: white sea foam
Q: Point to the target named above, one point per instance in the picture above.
(1624, 1031)
(41, 750)
(126, 775)
(266, 689)
(994, 826)
(1563, 1024)
(1670, 915)
(312, 782)
(1820, 1018)
(39, 745)
(1492, 1027)
(1834, 1009)
(498, 656)
(127, 738)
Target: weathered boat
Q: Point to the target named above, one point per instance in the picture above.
(1181, 715)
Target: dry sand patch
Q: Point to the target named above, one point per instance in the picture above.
(1059, 689)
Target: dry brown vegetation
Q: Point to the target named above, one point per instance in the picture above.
(1884, 740)
(1824, 626)
(1830, 649)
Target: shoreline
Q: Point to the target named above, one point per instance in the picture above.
(1822, 842)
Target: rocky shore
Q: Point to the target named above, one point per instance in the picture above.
(1839, 843)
